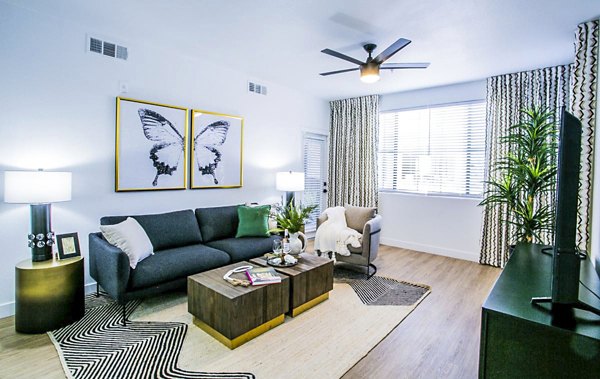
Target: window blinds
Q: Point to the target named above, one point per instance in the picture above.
(313, 152)
(437, 150)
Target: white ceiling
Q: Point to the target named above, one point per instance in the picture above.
(281, 40)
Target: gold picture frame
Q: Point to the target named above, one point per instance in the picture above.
(151, 146)
(216, 153)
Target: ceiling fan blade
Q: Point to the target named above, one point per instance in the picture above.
(400, 66)
(338, 71)
(341, 56)
(393, 49)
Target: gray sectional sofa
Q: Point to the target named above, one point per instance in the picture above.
(185, 242)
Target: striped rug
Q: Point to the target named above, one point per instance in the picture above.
(99, 346)
(379, 290)
(163, 342)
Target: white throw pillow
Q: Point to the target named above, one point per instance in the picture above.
(130, 237)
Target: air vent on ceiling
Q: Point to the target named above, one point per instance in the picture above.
(109, 49)
(257, 88)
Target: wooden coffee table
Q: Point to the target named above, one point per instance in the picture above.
(311, 281)
(235, 315)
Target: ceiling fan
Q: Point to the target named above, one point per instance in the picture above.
(369, 70)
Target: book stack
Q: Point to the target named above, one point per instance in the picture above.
(263, 275)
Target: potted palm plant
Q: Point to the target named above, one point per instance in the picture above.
(526, 175)
(292, 217)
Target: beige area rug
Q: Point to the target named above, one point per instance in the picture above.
(323, 342)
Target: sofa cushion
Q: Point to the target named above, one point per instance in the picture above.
(217, 222)
(165, 230)
(253, 221)
(175, 263)
(357, 217)
(131, 238)
(244, 248)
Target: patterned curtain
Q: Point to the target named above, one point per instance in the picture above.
(353, 136)
(506, 95)
(584, 82)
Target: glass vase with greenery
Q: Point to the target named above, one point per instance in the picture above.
(526, 175)
(292, 217)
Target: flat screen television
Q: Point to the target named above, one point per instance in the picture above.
(566, 258)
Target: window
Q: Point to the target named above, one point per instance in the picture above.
(314, 151)
(436, 150)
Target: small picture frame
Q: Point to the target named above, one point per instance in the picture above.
(68, 245)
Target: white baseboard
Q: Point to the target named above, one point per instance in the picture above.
(90, 288)
(8, 309)
(452, 253)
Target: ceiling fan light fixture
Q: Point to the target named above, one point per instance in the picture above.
(369, 73)
(369, 70)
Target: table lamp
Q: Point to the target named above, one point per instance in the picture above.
(39, 189)
(289, 181)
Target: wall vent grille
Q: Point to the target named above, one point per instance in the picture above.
(257, 88)
(109, 49)
(121, 52)
(95, 45)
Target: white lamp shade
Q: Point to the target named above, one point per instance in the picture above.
(36, 187)
(289, 181)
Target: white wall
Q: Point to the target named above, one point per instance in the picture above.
(58, 112)
(433, 224)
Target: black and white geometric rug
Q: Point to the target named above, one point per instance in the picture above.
(379, 290)
(98, 346)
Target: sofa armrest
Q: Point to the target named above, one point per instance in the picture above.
(109, 266)
(370, 238)
(373, 225)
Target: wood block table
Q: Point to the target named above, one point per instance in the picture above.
(234, 314)
(311, 281)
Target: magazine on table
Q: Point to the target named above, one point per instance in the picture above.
(262, 275)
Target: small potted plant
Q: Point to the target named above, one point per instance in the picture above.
(292, 217)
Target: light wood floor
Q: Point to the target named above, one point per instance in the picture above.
(440, 339)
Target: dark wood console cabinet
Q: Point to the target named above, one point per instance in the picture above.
(523, 340)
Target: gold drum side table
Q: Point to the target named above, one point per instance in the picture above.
(49, 294)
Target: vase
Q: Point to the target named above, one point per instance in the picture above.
(297, 246)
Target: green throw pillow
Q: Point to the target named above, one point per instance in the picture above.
(253, 221)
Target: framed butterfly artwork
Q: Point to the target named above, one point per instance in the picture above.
(151, 146)
(216, 150)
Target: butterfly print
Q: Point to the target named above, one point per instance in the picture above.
(206, 145)
(169, 147)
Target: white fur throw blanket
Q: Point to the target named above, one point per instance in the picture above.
(334, 234)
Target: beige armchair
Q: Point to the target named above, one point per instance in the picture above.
(365, 221)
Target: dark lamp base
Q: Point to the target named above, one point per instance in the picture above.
(289, 198)
(41, 238)
(40, 257)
